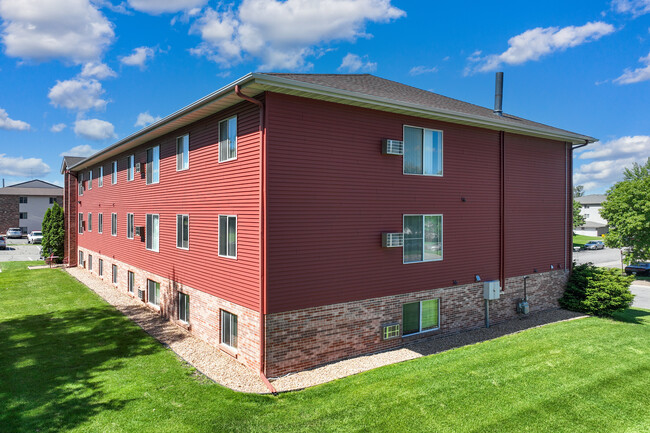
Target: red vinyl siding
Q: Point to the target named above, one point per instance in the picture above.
(208, 188)
(331, 193)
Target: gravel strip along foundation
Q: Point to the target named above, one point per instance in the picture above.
(228, 372)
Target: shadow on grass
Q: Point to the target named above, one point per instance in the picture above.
(49, 363)
(633, 315)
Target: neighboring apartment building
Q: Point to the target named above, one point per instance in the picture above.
(275, 221)
(595, 225)
(24, 204)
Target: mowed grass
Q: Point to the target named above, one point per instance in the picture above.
(581, 240)
(70, 362)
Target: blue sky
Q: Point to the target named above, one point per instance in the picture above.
(76, 75)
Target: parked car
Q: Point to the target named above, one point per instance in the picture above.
(14, 232)
(35, 237)
(594, 245)
(3, 243)
(642, 268)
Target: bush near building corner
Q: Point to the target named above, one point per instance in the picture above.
(597, 291)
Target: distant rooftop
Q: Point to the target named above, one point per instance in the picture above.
(33, 188)
(592, 199)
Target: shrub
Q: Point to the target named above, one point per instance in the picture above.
(597, 291)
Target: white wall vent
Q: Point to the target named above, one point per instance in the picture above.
(392, 147)
(392, 240)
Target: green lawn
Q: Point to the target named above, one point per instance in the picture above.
(70, 362)
(581, 240)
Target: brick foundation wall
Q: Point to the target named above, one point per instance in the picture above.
(204, 321)
(302, 339)
(9, 212)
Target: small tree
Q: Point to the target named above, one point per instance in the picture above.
(578, 218)
(597, 291)
(627, 211)
(53, 231)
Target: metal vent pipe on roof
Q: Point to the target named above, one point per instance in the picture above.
(498, 95)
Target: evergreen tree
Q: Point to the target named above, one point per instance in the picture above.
(53, 232)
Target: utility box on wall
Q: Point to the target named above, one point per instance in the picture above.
(491, 290)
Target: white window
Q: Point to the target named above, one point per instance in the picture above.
(228, 329)
(81, 184)
(114, 172)
(420, 316)
(129, 225)
(81, 258)
(90, 262)
(100, 177)
(153, 165)
(152, 232)
(183, 231)
(153, 292)
(114, 274)
(228, 139)
(228, 236)
(422, 238)
(101, 267)
(90, 222)
(100, 223)
(90, 180)
(113, 224)
(183, 152)
(422, 151)
(81, 223)
(130, 167)
(184, 307)
(131, 281)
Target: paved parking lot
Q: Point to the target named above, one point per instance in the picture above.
(608, 257)
(20, 250)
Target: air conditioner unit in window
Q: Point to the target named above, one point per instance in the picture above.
(137, 167)
(392, 147)
(138, 231)
(141, 294)
(392, 240)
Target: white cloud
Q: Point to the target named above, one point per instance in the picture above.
(535, 43)
(637, 75)
(139, 57)
(22, 167)
(58, 127)
(94, 129)
(634, 7)
(419, 70)
(606, 161)
(353, 63)
(282, 34)
(81, 150)
(156, 7)
(97, 70)
(78, 94)
(11, 124)
(145, 119)
(72, 30)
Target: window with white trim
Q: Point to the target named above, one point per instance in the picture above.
(183, 152)
(152, 231)
(184, 307)
(101, 267)
(228, 139)
(183, 231)
(90, 262)
(422, 238)
(420, 316)
(90, 180)
(131, 281)
(23, 200)
(228, 329)
(114, 274)
(81, 223)
(100, 177)
(153, 292)
(80, 181)
(422, 151)
(114, 172)
(100, 223)
(113, 224)
(81, 258)
(228, 236)
(129, 226)
(90, 221)
(130, 167)
(153, 165)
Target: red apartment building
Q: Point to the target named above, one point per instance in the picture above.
(297, 219)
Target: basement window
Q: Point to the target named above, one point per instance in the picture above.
(184, 307)
(228, 329)
(101, 268)
(422, 151)
(420, 316)
(153, 292)
(131, 281)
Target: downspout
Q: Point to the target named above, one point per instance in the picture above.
(262, 241)
(502, 210)
(566, 202)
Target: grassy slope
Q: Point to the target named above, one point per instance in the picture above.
(70, 362)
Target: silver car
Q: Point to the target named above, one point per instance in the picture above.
(35, 237)
(594, 245)
(14, 232)
(3, 243)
